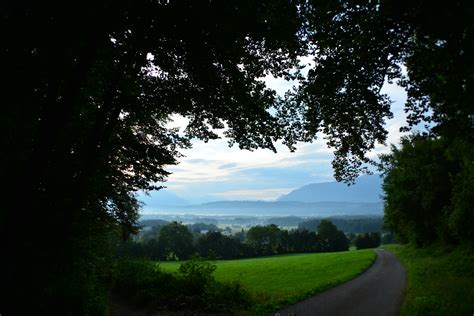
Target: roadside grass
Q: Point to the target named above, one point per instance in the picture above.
(440, 279)
(279, 281)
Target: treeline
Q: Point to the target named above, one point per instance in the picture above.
(176, 241)
(354, 225)
(367, 240)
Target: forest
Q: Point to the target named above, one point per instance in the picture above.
(175, 241)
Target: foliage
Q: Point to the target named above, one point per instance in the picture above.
(279, 281)
(428, 191)
(85, 115)
(440, 279)
(347, 224)
(269, 239)
(358, 46)
(198, 273)
(215, 245)
(428, 180)
(152, 227)
(175, 241)
(146, 286)
(142, 281)
(461, 212)
(330, 238)
(367, 240)
(300, 240)
(388, 238)
(198, 227)
(90, 92)
(265, 240)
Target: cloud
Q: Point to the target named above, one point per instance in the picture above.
(231, 164)
(228, 165)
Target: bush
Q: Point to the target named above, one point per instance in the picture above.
(367, 240)
(143, 284)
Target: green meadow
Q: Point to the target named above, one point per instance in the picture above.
(440, 279)
(279, 281)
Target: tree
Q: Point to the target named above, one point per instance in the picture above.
(89, 94)
(176, 241)
(460, 210)
(217, 246)
(301, 240)
(196, 228)
(426, 48)
(367, 240)
(330, 238)
(90, 90)
(266, 240)
(417, 190)
(358, 46)
(427, 185)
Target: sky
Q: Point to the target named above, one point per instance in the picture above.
(213, 171)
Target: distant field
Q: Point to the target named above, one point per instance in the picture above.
(282, 280)
(440, 280)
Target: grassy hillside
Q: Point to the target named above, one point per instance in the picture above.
(440, 280)
(282, 280)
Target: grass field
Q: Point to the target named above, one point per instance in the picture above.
(283, 280)
(440, 280)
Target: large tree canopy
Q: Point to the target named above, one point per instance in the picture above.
(427, 48)
(358, 46)
(90, 89)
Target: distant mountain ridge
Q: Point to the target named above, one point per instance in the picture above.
(255, 208)
(317, 199)
(367, 189)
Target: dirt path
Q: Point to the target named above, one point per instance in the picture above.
(377, 291)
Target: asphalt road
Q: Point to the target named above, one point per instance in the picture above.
(377, 291)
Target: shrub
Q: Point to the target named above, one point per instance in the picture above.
(367, 240)
(143, 284)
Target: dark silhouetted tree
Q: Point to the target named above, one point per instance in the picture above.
(90, 90)
(266, 240)
(217, 246)
(176, 241)
(330, 238)
(367, 240)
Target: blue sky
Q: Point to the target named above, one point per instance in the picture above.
(213, 171)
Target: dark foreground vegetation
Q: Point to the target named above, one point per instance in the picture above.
(89, 90)
(142, 286)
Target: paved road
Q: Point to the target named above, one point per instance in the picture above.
(377, 291)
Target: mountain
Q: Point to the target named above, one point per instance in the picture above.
(264, 208)
(318, 199)
(367, 189)
(161, 198)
